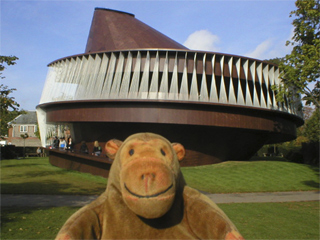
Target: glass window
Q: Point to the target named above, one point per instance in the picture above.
(23, 128)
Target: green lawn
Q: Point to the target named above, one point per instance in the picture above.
(33, 223)
(298, 220)
(292, 220)
(37, 176)
(252, 176)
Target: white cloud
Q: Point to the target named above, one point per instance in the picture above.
(271, 48)
(261, 50)
(202, 40)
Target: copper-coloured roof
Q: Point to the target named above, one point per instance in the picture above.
(115, 30)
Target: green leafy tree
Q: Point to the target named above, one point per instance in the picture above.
(8, 106)
(308, 131)
(301, 68)
(276, 61)
(311, 128)
(8, 60)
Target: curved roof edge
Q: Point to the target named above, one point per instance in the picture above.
(112, 10)
(162, 49)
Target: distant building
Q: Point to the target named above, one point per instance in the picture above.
(24, 123)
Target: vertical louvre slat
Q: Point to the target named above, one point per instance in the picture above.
(266, 82)
(144, 87)
(117, 77)
(85, 81)
(223, 95)
(134, 86)
(246, 73)
(70, 86)
(92, 79)
(213, 90)
(194, 93)
(240, 97)
(204, 88)
(183, 94)
(263, 101)
(153, 92)
(110, 72)
(163, 92)
(271, 93)
(124, 89)
(60, 86)
(255, 99)
(232, 97)
(82, 76)
(57, 83)
(101, 75)
(173, 94)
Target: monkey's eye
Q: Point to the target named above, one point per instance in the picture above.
(162, 152)
(131, 152)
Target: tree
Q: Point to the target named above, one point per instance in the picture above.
(24, 137)
(311, 129)
(8, 106)
(301, 67)
(9, 60)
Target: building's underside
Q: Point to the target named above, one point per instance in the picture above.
(134, 79)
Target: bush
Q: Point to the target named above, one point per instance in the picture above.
(306, 152)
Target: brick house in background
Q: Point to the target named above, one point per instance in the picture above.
(24, 123)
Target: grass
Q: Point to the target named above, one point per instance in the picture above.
(252, 176)
(292, 220)
(33, 223)
(38, 176)
(295, 220)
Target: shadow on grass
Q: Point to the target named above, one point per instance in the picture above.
(313, 183)
(33, 174)
(49, 187)
(7, 211)
(315, 169)
(33, 223)
(21, 165)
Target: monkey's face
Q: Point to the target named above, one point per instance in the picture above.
(148, 176)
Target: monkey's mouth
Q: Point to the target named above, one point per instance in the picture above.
(148, 196)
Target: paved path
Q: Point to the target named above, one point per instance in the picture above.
(8, 200)
(265, 197)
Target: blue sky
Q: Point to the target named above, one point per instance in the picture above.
(39, 32)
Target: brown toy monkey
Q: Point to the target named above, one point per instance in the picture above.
(147, 198)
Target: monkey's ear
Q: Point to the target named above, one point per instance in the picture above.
(179, 149)
(112, 147)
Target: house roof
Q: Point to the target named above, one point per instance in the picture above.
(29, 118)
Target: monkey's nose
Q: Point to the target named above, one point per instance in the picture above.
(150, 176)
(148, 179)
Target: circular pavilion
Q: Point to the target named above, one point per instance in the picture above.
(133, 78)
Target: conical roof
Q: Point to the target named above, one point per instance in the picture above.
(113, 30)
